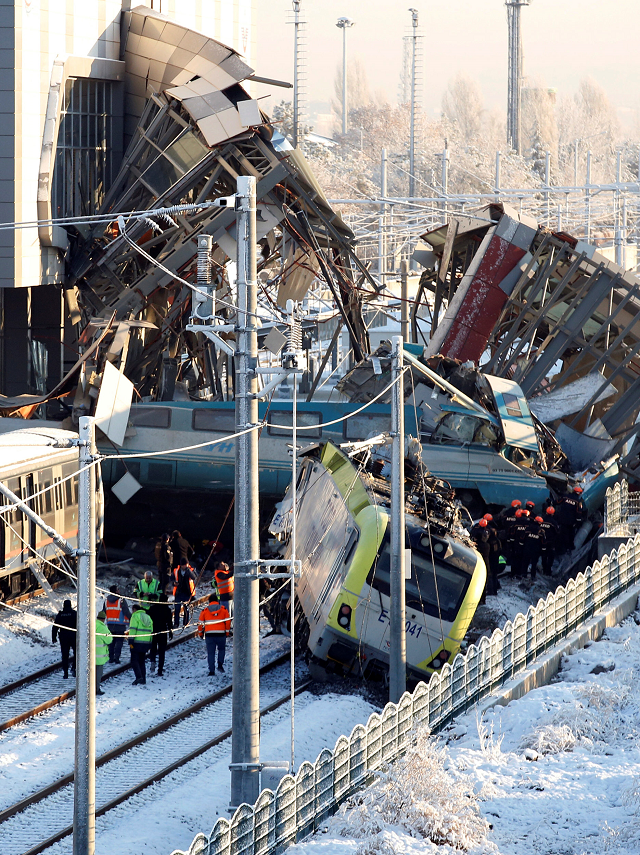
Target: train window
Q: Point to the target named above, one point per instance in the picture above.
(437, 595)
(152, 417)
(68, 491)
(57, 493)
(160, 473)
(221, 421)
(285, 418)
(46, 498)
(363, 426)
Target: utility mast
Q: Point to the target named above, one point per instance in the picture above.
(514, 88)
(299, 72)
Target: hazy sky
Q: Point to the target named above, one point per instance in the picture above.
(564, 40)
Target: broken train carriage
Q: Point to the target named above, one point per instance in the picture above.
(343, 541)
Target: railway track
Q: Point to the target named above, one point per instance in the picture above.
(135, 765)
(30, 695)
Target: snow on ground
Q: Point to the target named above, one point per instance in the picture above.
(168, 815)
(554, 773)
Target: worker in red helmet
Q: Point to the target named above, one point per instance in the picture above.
(480, 536)
(570, 514)
(550, 541)
(532, 545)
(495, 548)
(520, 530)
(516, 503)
(529, 505)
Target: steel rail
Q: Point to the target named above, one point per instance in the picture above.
(49, 669)
(157, 776)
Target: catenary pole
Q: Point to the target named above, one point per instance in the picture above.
(245, 749)
(398, 641)
(296, 73)
(84, 787)
(404, 302)
(412, 118)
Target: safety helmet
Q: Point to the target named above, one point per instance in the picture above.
(529, 504)
(551, 510)
(487, 517)
(482, 522)
(516, 503)
(539, 519)
(578, 490)
(525, 513)
(519, 513)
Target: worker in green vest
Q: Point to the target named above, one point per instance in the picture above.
(103, 640)
(147, 585)
(140, 632)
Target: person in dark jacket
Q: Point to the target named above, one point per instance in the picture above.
(65, 627)
(519, 534)
(184, 589)
(570, 513)
(162, 619)
(550, 530)
(495, 547)
(164, 562)
(532, 546)
(181, 548)
(480, 536)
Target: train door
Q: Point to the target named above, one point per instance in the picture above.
(31, 525)
(15, 533)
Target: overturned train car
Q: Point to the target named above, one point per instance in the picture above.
(343, 541)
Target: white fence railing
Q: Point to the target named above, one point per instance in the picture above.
(301, 803)
(622, 511)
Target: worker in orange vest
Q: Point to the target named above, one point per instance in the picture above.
(118, 616)
(223, 581)
(214, 625)
(184, 587)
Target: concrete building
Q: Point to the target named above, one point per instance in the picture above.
(66, 90)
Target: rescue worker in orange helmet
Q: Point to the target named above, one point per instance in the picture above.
(214, 625)
(223, 581)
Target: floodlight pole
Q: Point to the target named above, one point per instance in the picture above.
(344, 24)
(397, 637)
(296, 76)
(84, 786)
(245, 710)
(412, 132)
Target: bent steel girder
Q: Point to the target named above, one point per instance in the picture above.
(113, 276)
(582, 312)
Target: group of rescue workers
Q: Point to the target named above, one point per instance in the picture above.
(523, 539)
(148, 623)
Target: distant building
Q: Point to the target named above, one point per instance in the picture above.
(69, 102)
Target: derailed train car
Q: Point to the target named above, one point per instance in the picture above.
(343, 541)
(40, 465)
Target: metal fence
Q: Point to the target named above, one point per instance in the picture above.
(301, 803)
(622, 511)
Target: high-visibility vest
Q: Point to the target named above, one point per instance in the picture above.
(103, 640)
(145, 588)
(176, 575)
(114, 611)
(214, 620)
(224, 583)
(140, 627)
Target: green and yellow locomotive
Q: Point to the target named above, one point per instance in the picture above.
(343, 541)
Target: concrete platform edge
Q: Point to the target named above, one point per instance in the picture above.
(540, 672)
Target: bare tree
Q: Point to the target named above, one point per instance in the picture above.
(462, 108)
